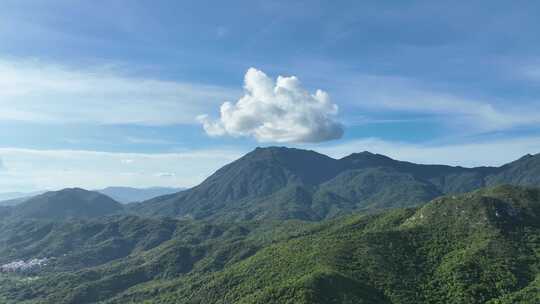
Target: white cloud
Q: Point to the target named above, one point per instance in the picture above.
(36, 91)
(280, 111)
(29, 169)
(492, 152)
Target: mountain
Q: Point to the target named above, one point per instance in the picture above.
(65, 204)
(5, 212)
(478, 247)
(129, 195)
(524, 171)
(285, 183)
(258, 174)
(123, 195)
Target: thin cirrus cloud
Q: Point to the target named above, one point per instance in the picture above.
(407, 96)
(165, 174)
(35, 91)
(530, 72)
(280, 111)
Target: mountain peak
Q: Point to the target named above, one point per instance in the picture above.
(367, 154)
(367, 158)
(310, 166)
(68, 203)
(70, 190)
(525, 171)
(75, 192)
(529, 156)
(526, 158)
(273, 151)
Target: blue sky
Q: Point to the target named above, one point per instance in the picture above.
(101, 93)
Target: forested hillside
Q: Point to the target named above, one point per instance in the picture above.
(479, 247)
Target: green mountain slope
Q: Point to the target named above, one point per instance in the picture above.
(93, 260)
(65, 204)
(524, 171)
(283, 183)
(5, 212)
(475, 248)
(256, 175)
(479, 247)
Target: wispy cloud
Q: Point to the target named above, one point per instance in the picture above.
(528, 71)
(402, 95)
(33, 90)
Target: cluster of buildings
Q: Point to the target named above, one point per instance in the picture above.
(22, 266)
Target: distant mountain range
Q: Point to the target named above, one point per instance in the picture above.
(285, 183)
(123, 195)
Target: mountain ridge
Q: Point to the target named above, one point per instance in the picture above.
(256, 183)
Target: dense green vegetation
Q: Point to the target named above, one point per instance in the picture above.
(284, 183)
(479, 247)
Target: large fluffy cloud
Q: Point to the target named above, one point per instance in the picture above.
(280, 111)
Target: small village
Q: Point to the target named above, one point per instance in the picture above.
(24, 267)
